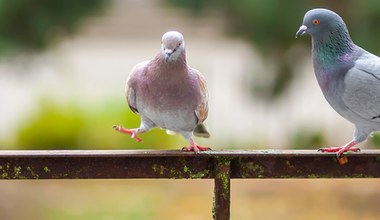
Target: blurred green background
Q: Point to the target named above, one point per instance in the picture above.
(63, 66)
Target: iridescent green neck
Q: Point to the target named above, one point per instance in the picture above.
(334, 45)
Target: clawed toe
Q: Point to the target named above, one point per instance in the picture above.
(339, 152)
(196, 149)
(190, 148)
(329, 149)
(338, 149)
(130, 132)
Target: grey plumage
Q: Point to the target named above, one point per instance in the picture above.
(169, 94)
(348, 75)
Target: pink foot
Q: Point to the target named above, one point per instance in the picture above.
(337, 149)
(196, 148)
(131, 132)
(340, 150)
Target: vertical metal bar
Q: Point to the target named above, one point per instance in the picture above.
(221, 209)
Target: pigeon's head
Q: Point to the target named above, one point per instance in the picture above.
(172, 45)
(319, 22)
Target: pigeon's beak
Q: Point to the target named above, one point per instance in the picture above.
(301, 31)
(168, 52)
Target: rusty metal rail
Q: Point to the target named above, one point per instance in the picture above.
(218, 165)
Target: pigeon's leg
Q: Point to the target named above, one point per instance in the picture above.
(194, 147)
(340, 150)
(145, 126)
(132, 132)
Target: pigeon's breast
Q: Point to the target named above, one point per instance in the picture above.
(170, 105)
(331, 82)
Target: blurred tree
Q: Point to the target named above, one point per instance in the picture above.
(33, 24)
(271, 25)
(374, 140)
(306, 138)
(69, 126)
(52, 127)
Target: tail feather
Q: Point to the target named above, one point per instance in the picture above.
(201, 131)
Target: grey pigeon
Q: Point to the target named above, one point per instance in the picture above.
(348, 75)
(169, 94)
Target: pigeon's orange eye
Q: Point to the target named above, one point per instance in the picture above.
(179, 44)
(315, 21)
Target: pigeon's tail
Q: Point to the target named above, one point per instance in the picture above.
(201, 131)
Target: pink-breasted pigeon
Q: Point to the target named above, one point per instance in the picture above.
(169, 94)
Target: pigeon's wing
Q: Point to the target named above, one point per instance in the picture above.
(132, 81)
(362, 88)
(202, 109)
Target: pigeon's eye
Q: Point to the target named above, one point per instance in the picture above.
(315, 21)
(179, 44)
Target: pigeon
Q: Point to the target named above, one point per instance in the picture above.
(169, 94)
(348, 75)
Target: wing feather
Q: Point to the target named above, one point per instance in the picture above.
(362, 88)
(130, 86)
(202, 109)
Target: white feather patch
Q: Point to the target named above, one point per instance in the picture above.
(170, 132)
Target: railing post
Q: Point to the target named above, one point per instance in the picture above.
(221, 209)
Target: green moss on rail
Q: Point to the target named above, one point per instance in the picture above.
(180, 172)
(17, 172)
(195, 175)
(224, 175)
(158, 169)
(46, 169)
(251, 169)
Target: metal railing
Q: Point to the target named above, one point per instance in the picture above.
(218, 165)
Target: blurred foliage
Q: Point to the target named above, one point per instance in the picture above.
(374, 140)
(271, 25)
(58, 126)
(34, 24)
(305, 138)
(52, 127)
